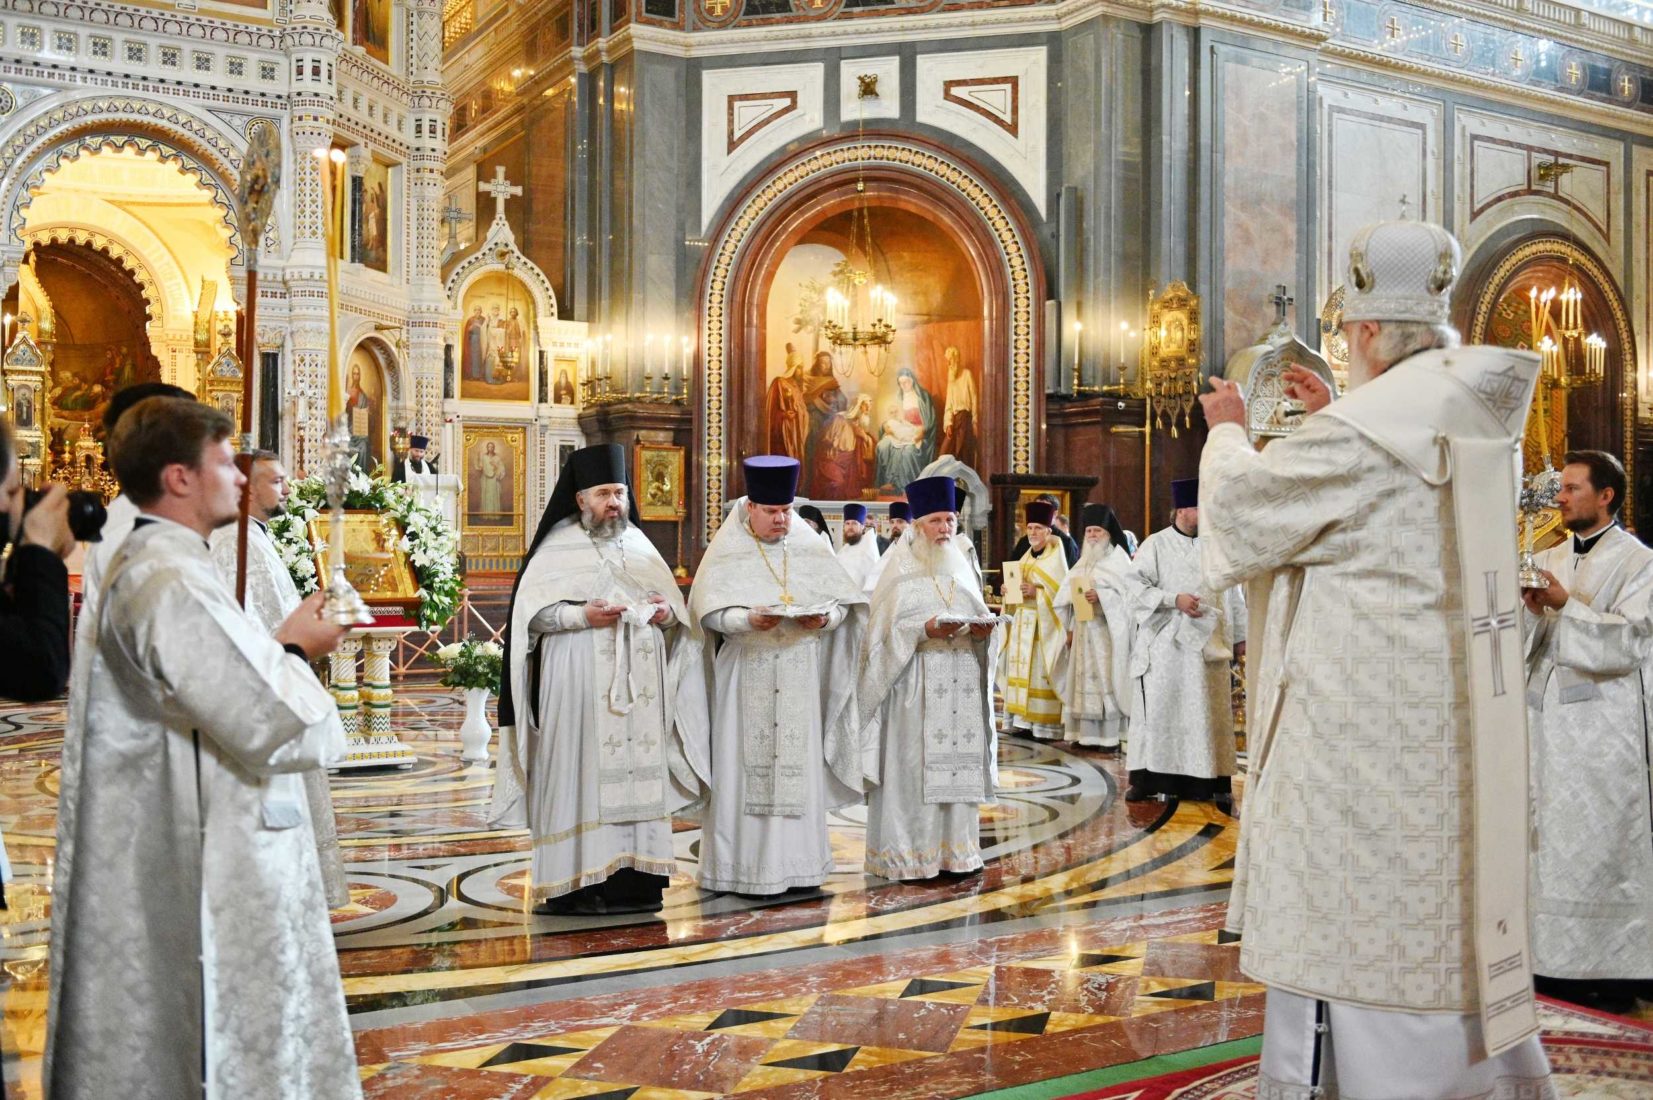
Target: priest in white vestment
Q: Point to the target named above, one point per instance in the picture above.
(1182, 699)
(1033, 644)
(1590, 666)
(1093, 676)
(191, 954)
(785, 746)
(602, 709)
(859, 554)
(271, 597)
(926, 697)
(1380, 883)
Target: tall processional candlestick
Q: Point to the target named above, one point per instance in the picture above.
(255, 194)
(344, 604)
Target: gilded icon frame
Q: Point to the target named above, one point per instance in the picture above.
(659, 498)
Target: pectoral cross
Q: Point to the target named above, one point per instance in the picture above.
(501, 189)
(1493, 624)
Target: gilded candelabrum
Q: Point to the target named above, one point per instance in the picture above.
(344, 604)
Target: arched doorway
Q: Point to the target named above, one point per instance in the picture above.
(946, 210)
(1599, 415)
(90, 316)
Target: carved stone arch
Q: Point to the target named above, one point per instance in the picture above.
(61, 130)
(504, 259)
(788, 188)
(399, 388)
(129, 260)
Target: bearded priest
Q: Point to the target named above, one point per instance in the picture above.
(926, 694)
(1033, 644)
(602, 705)
(1590, 663)
(785, 746)
(1381, 878)
(1182, 709)
(859, 554)
(1093, 676)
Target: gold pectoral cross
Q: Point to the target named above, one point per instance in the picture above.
(786, 598)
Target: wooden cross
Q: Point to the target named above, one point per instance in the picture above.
(1457, 43)
(1392, 28)
(501, 189)
(1493, 624)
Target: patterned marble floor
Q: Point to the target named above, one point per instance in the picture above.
(1089, 940)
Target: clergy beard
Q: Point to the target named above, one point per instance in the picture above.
(854, 540)
(940, 558)
(1093, 554)
(604, 529)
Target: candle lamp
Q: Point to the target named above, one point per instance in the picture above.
(343, 604)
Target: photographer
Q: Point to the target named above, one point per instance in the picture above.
(34, 601)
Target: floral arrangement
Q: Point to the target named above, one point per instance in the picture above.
(471, 664)
(431, 545)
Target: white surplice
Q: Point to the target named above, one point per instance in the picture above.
(861, 561)
(1355, 881)
(617, 738)
(1093, 676)
(271, 597)
(928, 706)
(785, 749)
(1589, 713)
(1182, 709)
(188, 928)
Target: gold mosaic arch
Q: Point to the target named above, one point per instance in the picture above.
(1550, 248)
(1014, 250)
(129, 260)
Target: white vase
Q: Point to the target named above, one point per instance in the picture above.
(475, 733)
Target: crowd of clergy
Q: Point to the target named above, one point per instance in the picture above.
(1388, 888)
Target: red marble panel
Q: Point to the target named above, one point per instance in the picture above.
(1193, 960)
(407, 1081)
(699, 1061)
(880, 1022)
(1040, 990)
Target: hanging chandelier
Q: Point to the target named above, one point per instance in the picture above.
(860, 313)
(1570, 359)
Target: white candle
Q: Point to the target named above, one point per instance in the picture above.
(683, 377)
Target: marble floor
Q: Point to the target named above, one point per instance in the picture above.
(1090, 946)
(1090, 940)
